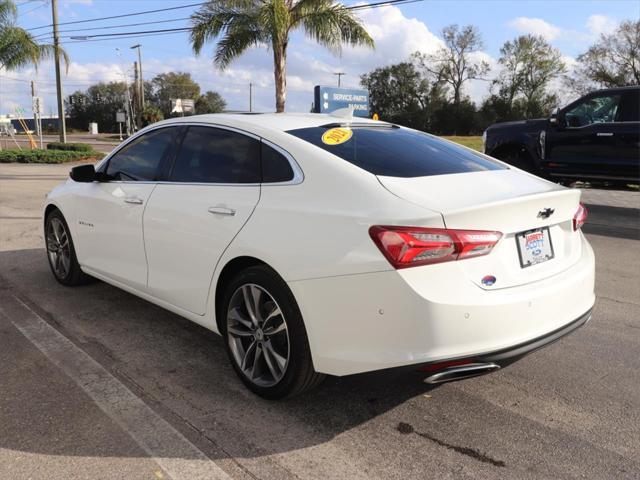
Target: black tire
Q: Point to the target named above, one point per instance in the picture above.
(298, 375)
(519, 160)
(70, 274)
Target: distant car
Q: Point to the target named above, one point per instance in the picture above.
(318, 244)
(595, 138)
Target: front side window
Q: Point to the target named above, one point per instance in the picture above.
(395, 152)
(140, 159)
(215, 155)
(600, 109)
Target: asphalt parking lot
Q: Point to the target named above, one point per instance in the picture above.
(96, 383)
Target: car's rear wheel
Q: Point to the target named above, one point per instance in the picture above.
(265, 335)
(61, 252)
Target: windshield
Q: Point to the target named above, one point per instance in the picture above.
(395, 152)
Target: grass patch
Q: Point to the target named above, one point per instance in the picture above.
(74, 147)
(46, 156)
(471, 142)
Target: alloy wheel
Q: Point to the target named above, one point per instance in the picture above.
(258, 336)
(58, 247)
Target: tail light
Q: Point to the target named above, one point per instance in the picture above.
(580, 217)
(412, 246)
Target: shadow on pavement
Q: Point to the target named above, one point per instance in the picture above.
(178, 368)
(618, 222)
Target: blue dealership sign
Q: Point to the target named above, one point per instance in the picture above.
(328, 99)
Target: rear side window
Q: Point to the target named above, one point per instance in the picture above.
(631, 106)
(396, 152)
(275, 166)
(215, 155)
(140, 159)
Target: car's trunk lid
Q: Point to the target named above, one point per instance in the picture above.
(508, 201)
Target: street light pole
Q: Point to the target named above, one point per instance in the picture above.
(56, 56)
(339, 74)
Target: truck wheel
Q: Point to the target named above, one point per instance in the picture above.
(519, 160)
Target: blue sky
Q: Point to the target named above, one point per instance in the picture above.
(571, 26)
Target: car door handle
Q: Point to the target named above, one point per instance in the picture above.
(222, 211)
(605, 134)
(133, 200)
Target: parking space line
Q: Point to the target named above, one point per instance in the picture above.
(171, 450)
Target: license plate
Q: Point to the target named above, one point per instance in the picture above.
(534, 247)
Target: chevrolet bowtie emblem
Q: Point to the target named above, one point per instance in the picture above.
(546, 213)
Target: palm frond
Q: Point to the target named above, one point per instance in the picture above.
(215, 18)
(8, 13)
(234, 43)
(331, 25)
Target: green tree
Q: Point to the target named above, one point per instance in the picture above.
(454, 62)
(18, 48)
(99, 103)
(613, 61)
(242, 24)
(402, 94)
(529, 63)
(210, 102)
(151, 114)
(167, 86)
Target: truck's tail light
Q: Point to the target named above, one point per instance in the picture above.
(580, 217)
(412, 246)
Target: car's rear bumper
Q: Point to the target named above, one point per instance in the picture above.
(500, 358)
(380, 320)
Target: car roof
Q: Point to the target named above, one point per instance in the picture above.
(617, 89)
(280, 122)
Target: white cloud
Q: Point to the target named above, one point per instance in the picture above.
(599, 24)
(595, 26)
(396, 37)
(535, 26)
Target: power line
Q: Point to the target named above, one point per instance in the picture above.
(123, 16)
(381, 4)
(145, 12)
(44, 4)
(122, 37)
(115, 26)
(120, 34)
(134, 34)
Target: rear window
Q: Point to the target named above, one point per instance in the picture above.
(395, 152)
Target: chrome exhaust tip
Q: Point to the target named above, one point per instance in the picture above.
(463, 371)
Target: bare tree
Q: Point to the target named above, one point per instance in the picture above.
(614, 61)
(454, 63)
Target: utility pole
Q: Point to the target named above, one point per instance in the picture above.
(339, 74)
(251, 97)
(140, 75)
(56, 57)
(136, 91)
(127, 98)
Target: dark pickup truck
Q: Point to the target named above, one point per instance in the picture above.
(595, 138)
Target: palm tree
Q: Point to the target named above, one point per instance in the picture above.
(18, 48)
(247, 23)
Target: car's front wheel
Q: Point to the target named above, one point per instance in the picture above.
(61, 252)
(265, 335)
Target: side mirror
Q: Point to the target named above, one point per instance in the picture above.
(83, 173)
(555, 118)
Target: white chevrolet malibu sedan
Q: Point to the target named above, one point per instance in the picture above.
(318, 244)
